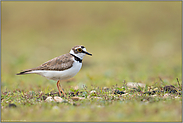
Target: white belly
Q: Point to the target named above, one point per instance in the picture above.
(60, 75)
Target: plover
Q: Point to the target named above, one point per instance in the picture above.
(62, 67)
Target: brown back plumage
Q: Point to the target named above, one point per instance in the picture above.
(59, 63)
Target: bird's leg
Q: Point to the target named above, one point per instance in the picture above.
(63, 92)
(59, 88)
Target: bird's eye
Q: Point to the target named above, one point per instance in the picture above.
(79, 49)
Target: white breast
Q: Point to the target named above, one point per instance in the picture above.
(60, 75)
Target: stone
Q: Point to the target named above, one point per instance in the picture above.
(58, 99)
(49, 99)
(135, 84)
(93, 91)
(77, 98)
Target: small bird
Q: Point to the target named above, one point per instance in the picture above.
(62, 67)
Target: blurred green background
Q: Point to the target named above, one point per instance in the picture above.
(132, 41)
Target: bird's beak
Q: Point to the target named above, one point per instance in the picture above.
(87, 53)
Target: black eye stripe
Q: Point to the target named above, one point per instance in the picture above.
(82, 47)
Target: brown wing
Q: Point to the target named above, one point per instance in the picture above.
(59, 63)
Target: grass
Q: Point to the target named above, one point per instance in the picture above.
(130, 42)
(94, 106)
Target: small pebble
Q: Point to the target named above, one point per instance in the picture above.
(58, 99)
(135, 84)
(77, 98)
(155, 95)
(126, 94)
(177, 97)
(97, 97)
(49, 99)
(106, 88)
(93, 91)
(166, 95)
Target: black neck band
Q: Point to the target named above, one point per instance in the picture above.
(77, 58)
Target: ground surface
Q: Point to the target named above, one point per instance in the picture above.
(130, 41)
